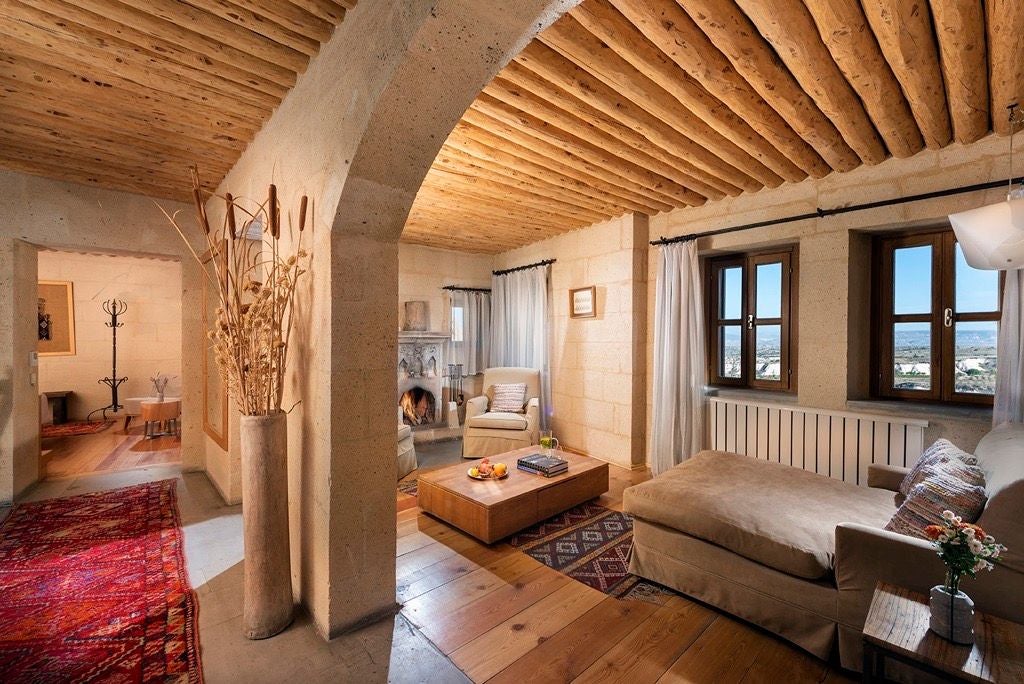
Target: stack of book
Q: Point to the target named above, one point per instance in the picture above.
(539, 464)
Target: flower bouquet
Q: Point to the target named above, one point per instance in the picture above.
(966, 550)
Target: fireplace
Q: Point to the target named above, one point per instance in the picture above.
(420, 381)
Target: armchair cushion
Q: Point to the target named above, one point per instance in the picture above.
(498, 420)
(508, 397)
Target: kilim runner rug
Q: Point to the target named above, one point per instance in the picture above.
(94, 588)
(591, 544)
(73, 429)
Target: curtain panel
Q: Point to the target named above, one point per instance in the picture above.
(474, 350)
(679, 358)
(1009, 402)
(520, 305)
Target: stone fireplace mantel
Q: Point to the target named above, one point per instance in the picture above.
(421, 363)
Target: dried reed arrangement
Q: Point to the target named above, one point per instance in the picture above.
(256, 284)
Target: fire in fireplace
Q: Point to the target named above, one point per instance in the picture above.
(418, 406)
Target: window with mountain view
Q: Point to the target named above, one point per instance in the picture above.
(936, 321)
(751, 320)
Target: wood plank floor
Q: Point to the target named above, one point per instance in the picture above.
(107, 451)
(503, 617)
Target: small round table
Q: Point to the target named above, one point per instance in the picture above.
(162, 416)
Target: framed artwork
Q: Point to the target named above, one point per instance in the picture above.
(583, 302)
(56, 318)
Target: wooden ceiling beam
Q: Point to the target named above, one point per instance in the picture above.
(328, 10)
(442, 210)
(710, 151)
(671, 29)
(607, 24)
(523, 156)
(904, 32)
(223, 32)
(960, 29)
(455, 159)
(749, 53)
(524, 100)
(76, 80)
(457, 224)
(156, 36)
(527, 130)
(240, 15)
(503, 193)
(123, 182)
(844, 30)
(1004, 24)
(292, 17)
(558, 69)
(61, 40)
(788, 27)
(434, 235)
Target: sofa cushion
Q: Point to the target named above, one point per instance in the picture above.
(508, 397)
(775, 514)
(498, 420)
(1001, 456)
(942, 490)
(403, 432)
(943, 453)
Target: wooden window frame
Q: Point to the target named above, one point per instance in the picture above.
(748, 322)
(943, 337)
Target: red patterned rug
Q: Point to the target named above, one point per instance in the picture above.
(93, 588)
(72, 429)
(591, 544)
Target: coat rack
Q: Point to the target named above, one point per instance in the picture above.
(113, 308)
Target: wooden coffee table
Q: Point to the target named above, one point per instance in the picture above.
(493, 509)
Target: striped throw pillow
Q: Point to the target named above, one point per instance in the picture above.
(942, 490)
(946, 455)
(509, 397)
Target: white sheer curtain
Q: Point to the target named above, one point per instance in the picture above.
(474, 348)
(678, 425)
(1009, 405)
(520, 302)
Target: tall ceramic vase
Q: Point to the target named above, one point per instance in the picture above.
(268, 604)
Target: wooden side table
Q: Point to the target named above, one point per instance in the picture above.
(897, 628)
(162, 416)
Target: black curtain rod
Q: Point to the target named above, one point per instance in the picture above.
(459, 288)
(523, 268)
(821, 213)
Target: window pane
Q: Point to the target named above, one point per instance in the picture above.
(767, 352)
(769, 290)
(457, 312)
(976, 290)
(975, 371)
(912, 356)
(729, 351)
(731, 289)
(912, 268)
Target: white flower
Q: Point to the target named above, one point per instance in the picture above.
(989, 539)
(979, 566)
(975, 546)
(995, 552)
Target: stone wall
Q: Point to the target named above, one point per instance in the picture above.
(597, 366)
(150, 340)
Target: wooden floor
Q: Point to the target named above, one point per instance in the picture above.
(107, 451)
(501, 616)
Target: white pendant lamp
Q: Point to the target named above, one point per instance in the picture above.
(992, 236)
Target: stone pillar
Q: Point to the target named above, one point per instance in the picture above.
(823, 319)
(193, 334)
(639, 252)
(19, 391)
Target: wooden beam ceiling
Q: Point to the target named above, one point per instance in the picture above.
(652, 105)
(126, 94)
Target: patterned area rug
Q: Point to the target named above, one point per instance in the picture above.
(74, 428)
(94, 588)
(410, 487)
(591, 544)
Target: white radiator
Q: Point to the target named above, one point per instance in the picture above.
(838, 444)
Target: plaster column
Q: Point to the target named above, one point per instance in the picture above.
(19, 394)
(638, 226)
(823, 319)
(193, 439)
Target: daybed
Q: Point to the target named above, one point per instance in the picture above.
(799, 554)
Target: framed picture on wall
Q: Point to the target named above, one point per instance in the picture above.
(56, 318)
(583, 302)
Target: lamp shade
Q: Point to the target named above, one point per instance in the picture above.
(992, 236)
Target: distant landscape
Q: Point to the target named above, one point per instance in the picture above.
(975, 359)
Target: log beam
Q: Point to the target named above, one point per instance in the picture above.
(1004, 20)
(960, 28)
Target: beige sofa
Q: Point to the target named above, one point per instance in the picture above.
(488, 433)
(799, 554)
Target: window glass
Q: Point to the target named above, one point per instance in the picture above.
(912, 356)
(975, 364)
(912, 273)
(730, 355)
(457, 314)
(768, 352)
(732, 293)
(976, 290)
(769, 290)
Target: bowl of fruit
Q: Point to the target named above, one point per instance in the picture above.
(485, 470)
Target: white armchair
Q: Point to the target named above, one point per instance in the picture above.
(406, 448)
(489, 433)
